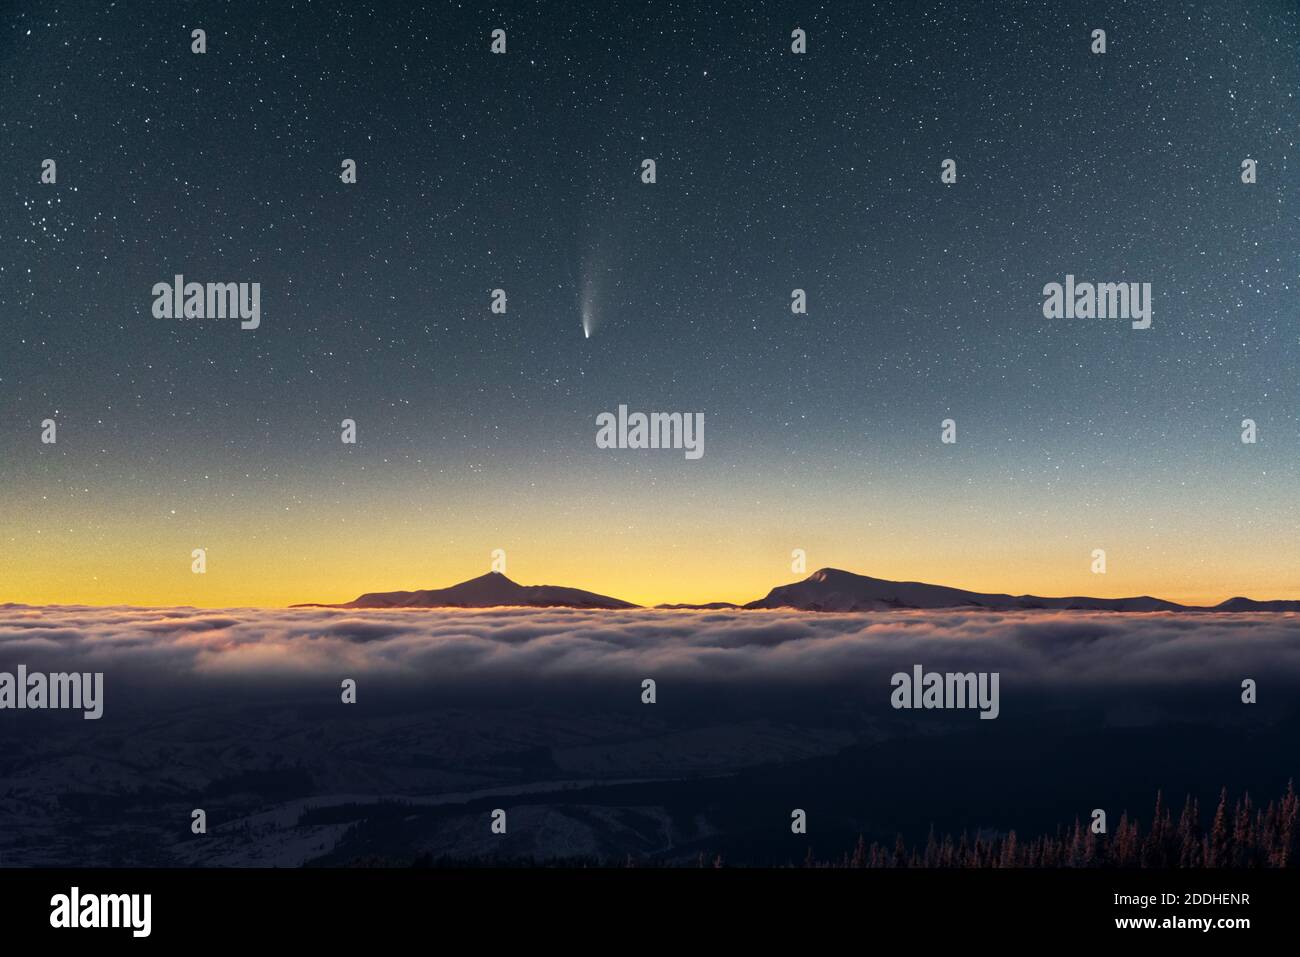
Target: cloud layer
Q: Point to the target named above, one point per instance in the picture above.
(525, 645)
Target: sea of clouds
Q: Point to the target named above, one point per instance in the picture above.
(536, 645)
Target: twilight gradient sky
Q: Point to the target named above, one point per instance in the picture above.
(775, 171)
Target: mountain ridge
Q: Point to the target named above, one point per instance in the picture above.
(832, 589)
(825, 590)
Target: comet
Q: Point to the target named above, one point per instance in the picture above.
(588, 304)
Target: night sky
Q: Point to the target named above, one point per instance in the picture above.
(521, 171)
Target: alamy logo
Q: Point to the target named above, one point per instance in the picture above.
(103, 910)
(1103, 300)
(57, 690)
(213, 300)
(656, 430)
(930, 689)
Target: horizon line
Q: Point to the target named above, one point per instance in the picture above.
(671, 605)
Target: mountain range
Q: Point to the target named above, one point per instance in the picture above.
(828, 589)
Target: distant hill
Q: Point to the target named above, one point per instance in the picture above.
(486, 591)
(1249, 604)
(711, 606)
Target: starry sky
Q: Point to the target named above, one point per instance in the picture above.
(775, 171)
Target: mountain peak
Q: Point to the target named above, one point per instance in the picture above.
(492, 576)
(829, 574)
